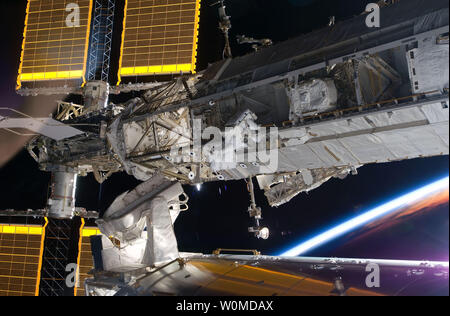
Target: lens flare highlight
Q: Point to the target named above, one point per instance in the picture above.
(368, 217)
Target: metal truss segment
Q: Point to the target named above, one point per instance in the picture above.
(101, 40)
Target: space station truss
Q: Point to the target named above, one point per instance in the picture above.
(101, 40)
(55, 258)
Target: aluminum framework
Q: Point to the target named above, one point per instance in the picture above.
(101, 40)
(56, 256)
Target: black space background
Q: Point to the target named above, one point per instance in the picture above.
(220, 220)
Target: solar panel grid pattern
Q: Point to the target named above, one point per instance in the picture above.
(20, 258)
(51, 49)
(160, 37)
(86, 262)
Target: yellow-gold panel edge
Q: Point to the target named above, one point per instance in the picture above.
(29, 230)
(160, 69)
(59, 75)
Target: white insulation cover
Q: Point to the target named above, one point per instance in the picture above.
(429, 67)
(143, 223)
(312, 96)
(377, 137)
(406, 133)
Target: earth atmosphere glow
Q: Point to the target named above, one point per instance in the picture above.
(367, 217)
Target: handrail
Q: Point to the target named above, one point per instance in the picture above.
(219, 251)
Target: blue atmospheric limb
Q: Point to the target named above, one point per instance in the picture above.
(367, 217)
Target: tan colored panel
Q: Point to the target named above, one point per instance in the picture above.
(159, 37)
(52, 49)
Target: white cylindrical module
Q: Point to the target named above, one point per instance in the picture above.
(61, 204)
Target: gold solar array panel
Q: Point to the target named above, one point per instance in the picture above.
(21, 249)
(85, 259)
(159, 37)
(56, 39)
